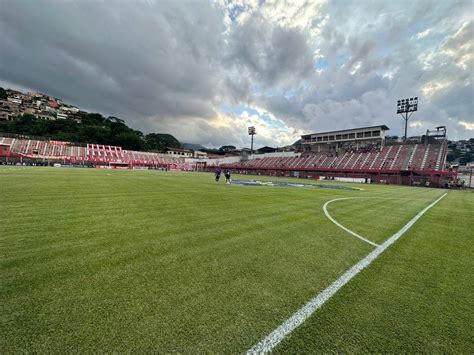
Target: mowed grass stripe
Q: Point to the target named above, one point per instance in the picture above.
(416, 298)
(364, 216)
(289, 325)
(160, 261)
(148, 278)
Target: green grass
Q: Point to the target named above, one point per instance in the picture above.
(96, 260)
(417, 297)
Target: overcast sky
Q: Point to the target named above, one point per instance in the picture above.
(206, 70)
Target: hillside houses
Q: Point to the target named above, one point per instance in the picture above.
(39, 105)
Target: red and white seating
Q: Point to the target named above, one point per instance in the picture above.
(390, 158)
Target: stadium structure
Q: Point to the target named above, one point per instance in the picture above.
(97, 155)
(360, 154)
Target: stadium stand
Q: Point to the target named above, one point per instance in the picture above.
(357, 153)
(97, 154)
(389, 158)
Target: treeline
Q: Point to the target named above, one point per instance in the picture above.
(219, 151)
(461, 157)
(93, 128)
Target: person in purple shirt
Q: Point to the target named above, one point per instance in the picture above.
(218, 174)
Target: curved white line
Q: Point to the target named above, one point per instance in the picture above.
(268, 343)
(340, 225)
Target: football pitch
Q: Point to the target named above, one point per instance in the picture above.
(107, 260)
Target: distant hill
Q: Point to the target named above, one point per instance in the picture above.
(68, 123)
(160, 142)
(193, 146)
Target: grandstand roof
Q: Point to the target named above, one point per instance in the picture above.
(381, 127)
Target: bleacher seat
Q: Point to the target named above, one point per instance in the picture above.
(391, 158)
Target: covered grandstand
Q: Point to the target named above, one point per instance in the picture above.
(360, 153)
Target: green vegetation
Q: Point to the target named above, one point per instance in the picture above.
(462, 157)
(3, 94)
(418, 297)
(160, 142)
(106, 260)
(93, 128)
(227, 148)
(192, 146)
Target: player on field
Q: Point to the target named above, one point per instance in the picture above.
(218, 174)
(227, 176)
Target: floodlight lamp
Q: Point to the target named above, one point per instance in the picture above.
(407, 105)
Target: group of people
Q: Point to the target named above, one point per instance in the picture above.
(226, 174)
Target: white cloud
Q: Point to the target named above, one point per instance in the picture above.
(292, 13)
(467, 125)
(433, 87)
(460, 46)
(423, 34)
(271, 135)
(355, 67)
(287, 13)
(415, 124)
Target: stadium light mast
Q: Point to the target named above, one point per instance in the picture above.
(251, 131)
(406, 107)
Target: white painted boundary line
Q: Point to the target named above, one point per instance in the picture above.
(274, 338)
(340, 225)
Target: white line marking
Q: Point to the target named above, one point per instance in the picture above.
(340, 225)
(274, 338)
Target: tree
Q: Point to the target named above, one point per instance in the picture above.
(227, 148)
(3, 94)
(160, 141)
(464, 159)
(451, 157)
(130, 140)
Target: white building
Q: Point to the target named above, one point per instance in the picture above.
(180, 153)
(71, 109)
(14, 100)
(347, 138)
(200, 155)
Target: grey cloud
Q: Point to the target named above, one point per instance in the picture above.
(202, 131)
(332, 89)
(118, 57)
(236, 89)
(169, 65)
(268, 53)
(380, 36)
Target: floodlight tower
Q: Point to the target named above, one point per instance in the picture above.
(251, 131)
(406, 107)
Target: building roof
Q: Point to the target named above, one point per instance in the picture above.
(382, 127)
(180, 150)
(266, 149)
